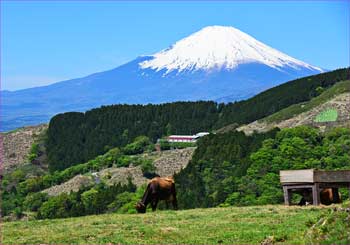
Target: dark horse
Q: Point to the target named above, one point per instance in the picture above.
(158, 189)
(327, 196)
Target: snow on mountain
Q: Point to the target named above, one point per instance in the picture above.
(219, 47)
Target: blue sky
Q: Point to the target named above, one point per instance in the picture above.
(44, 42)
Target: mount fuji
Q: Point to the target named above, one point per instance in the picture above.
(216, 63)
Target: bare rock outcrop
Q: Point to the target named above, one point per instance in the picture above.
(16, 145)
(73, 185)
(170, 162)
(166, 162)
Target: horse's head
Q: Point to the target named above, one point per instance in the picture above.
(140, 207)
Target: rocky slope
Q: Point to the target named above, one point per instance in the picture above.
(73, 184)
(341, 103)
(166, 162)
(16, 145)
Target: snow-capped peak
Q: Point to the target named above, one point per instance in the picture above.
(219, 47)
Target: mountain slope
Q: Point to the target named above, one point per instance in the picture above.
(279, 97)
(17, 145)
(335, 99)
(215, 63)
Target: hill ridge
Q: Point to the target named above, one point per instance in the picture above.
(338, 98)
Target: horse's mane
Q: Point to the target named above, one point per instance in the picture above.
(167, 178)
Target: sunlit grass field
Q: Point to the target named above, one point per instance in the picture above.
(329, 115)
(296, 109)
(243, 225)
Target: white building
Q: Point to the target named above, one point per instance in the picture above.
(186, 138)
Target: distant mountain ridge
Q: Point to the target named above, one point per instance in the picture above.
(216, 63)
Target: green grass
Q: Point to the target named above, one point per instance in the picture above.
(239, 225)
(329, 115)
(293, 110)
(332, 228)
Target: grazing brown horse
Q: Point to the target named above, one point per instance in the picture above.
(327, 196)
(158, 189)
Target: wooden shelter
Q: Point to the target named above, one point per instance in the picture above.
(316, 180)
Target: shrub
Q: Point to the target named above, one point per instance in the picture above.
(138, 146)
(128, 200)
(90, 200)
(164, 145)
(62, 206)
(181, 145)
(147, 167)
(124, 161)
(34, 152)
(34, 201)
(17, 176)
(121, 200)
(18, 212)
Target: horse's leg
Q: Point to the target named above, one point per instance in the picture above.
(167, 204)
(154, 204)
(175, 204)
(302, 202)
(174, 201)
(336, 197)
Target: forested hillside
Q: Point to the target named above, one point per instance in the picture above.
(226, 169)
(74, 137)
(330, 109)
(217, 163)
(282, 96)
(234, 169)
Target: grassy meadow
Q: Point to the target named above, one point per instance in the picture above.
(239, 225)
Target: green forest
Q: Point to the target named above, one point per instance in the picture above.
(74, 138)
(21, 191)
(226, 169)
(234, 169)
